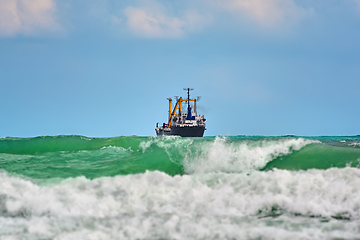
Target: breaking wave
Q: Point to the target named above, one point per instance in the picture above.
(72, 156)
(279, 204)
(237, 187)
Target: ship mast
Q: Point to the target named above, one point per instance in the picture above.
(188, 100)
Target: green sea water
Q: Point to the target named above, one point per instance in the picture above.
(234, 187)
(73, 156)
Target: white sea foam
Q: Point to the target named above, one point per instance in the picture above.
(224, 156)
(278, 204)
(354, 144)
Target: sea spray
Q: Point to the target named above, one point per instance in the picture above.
(236, 187)
(313, 204)
(45, 157)
(223, 155)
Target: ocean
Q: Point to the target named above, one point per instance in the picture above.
(234, 187)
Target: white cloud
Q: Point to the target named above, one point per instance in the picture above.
(152, 19)
(153, 24)
(268, 13)
(26, 16)
(160, 23)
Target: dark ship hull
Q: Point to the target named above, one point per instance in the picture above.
(185, 131)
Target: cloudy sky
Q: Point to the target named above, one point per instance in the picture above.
(105, 67)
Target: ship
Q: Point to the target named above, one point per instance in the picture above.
(183, 123)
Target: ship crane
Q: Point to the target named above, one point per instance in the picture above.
(185, 124)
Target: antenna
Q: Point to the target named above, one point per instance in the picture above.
(188, 100)
(188, 92)
(188, 89)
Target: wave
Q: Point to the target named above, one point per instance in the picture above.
(313, 204)
(317, 156)
(238, 156)
(73, 156)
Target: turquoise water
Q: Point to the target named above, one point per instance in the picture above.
(236, 187)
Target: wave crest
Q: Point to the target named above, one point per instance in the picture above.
(222, 155)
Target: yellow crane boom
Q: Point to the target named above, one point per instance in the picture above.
(177, 107)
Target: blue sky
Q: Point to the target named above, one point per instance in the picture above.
(105, 68)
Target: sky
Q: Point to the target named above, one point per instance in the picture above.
(104, 68)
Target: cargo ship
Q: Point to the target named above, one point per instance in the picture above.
(183, 123)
